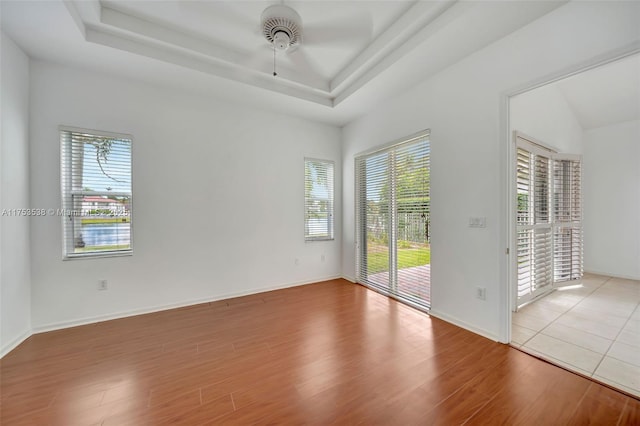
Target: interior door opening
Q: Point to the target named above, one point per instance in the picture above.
(589, 112)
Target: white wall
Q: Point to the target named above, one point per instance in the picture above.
(15, 272)
(468, 161)
(612, 200)
(545, 115)
(232, 176)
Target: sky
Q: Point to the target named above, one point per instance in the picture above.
(118, 166)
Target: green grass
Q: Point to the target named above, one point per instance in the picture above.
(378, 261)
(106, 220)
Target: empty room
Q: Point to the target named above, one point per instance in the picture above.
(319, 212)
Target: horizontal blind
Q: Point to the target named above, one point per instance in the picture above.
(393, 220)
(96, 193)
(373, 183)
(318, 203)
(412, 161)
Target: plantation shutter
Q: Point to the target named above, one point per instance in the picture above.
(96, 193)
(393, 220)
(548, 219)
(533, 222)
(318, 202)
(524, 222)
(567, 201)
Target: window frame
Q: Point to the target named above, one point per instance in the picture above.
(331, 213)
(66, 192)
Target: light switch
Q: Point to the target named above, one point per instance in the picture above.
(477, 222)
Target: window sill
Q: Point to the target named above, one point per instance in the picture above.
(98, 255)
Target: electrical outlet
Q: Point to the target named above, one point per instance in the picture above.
(322, 257)
(481, 293)
(296, 261)
(102, 285)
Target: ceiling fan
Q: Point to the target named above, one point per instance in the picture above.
(282, 27)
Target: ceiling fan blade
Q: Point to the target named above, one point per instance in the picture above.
(226, 11)
(259, 59)
(338, 31)
(301, 61)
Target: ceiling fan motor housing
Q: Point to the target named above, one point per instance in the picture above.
(281, 26)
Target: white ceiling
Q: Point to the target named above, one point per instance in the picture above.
(333, 36)
(605, 95)
(354, 54)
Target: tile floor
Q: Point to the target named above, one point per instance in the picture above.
(593, 329)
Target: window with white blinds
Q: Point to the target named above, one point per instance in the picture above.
(96, 193)
(318, 199)
(548, 219)
(393, 220)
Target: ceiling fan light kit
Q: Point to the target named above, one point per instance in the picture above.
(281, 40)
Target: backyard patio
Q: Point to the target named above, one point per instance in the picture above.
(413, 283)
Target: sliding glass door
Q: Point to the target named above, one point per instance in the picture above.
(392, 188)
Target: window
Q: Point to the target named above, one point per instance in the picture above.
(96, 193)
(318, 200)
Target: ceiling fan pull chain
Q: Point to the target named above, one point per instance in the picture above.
(275, 74)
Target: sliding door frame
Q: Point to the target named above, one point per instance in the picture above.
(360, 228)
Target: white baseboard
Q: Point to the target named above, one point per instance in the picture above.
(123, 314)
(608, 274)
(465, 325)
(447, 318)
(348, 278)
(14, 343)
(91, 320)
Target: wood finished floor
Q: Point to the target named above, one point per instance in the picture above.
(327, 353)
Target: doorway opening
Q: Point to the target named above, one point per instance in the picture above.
(575, 278)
